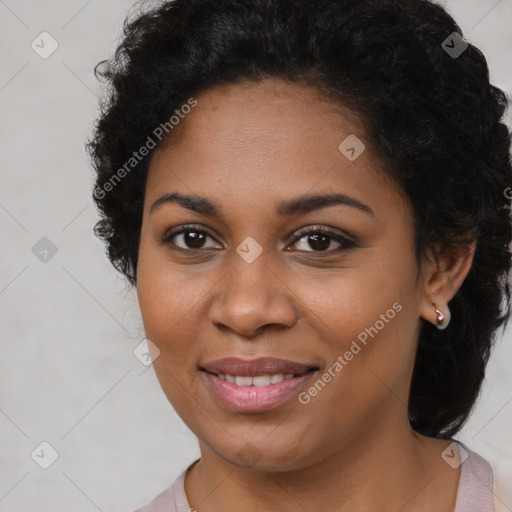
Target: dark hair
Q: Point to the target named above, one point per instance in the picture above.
(432, 116)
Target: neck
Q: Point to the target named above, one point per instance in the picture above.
(391, 469)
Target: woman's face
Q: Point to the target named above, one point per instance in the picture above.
(252, 278)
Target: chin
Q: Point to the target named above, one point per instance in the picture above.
(265, 455)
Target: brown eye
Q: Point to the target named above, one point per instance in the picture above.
(194, 239)
(312, 240)
(320, 240)
(190, 238)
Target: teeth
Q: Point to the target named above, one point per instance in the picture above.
(261, 380)
(243, 381)
(258, 380)
(278, 377)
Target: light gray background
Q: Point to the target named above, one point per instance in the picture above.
(69, 326)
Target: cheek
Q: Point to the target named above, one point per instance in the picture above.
(166, 303)
(364, 380)
(357, 301)
(166, 295)
(368, 317)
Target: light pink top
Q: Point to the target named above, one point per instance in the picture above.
(474, 493)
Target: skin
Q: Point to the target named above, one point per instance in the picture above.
(247, 148)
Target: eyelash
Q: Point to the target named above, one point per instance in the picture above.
(345, 242)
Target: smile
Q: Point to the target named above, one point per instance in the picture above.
(251, 386)
(257, 380)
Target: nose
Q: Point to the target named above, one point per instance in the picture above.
(252, 297)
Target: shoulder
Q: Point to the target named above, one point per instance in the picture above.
(172, 499)
(475, 491)
(164, 502)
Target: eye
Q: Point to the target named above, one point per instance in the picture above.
(317, 238)
(190, 238)
(320, 239)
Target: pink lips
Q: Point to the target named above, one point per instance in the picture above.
(261, 366)
(252, 399)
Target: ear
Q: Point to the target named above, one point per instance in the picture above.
(443, 273)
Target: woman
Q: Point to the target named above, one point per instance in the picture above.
(310, 199)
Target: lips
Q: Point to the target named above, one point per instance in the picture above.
(257, 385)
(252, 368)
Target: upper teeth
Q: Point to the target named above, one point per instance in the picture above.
(258, 380)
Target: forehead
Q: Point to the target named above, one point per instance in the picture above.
(270, 112)
(266, 140)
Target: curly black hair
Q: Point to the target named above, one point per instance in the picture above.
(424, 97)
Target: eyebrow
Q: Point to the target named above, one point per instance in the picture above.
(303, 204)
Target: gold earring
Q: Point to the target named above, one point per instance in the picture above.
(443, 319)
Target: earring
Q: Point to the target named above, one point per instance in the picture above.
(443, 319)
